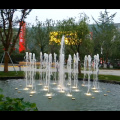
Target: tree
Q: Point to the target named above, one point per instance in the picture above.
(7, 23)
(104, 34)
(39, 40)
(114, 54)
(78, 35)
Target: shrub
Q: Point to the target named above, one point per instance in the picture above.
(17, 57)
(15, 104)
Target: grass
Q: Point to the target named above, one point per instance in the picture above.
(12, 74)
(21, 74)
(105, 77)
(109, 77)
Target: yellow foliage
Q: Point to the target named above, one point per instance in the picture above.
(70, 37)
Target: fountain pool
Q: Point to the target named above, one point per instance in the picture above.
(107, 100)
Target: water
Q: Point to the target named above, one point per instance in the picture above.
(95, 72)
(46, 71)
(61, 65)
(91, 67)
(69, 71)
(61, 102)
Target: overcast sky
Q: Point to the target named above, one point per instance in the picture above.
(60, 14)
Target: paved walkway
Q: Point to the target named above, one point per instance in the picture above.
(104, 72)
(110, 72)
(10, 68)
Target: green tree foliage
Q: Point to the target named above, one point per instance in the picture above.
(82, 43)
(39, 41)
(105, 34)
(81, 30)
(115, 46)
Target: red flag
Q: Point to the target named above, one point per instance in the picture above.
(22, 37)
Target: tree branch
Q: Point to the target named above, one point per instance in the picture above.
(2, 38)
(4, 22)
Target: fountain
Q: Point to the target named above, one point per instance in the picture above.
(46, 71)
(49, 71)
(40, 71)
(75, 70)
(61, 73)
(87, 72)
(26, 72)
(33, 73)
(95, 73)
(66, 93)
(69, 74)
(85, 69)
(53, 71)
(91, 67)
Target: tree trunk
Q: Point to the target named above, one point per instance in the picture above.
(6, 60)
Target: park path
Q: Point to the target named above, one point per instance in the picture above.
(110, 72)
(101, 71)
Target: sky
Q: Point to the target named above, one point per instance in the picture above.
(60, 14)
